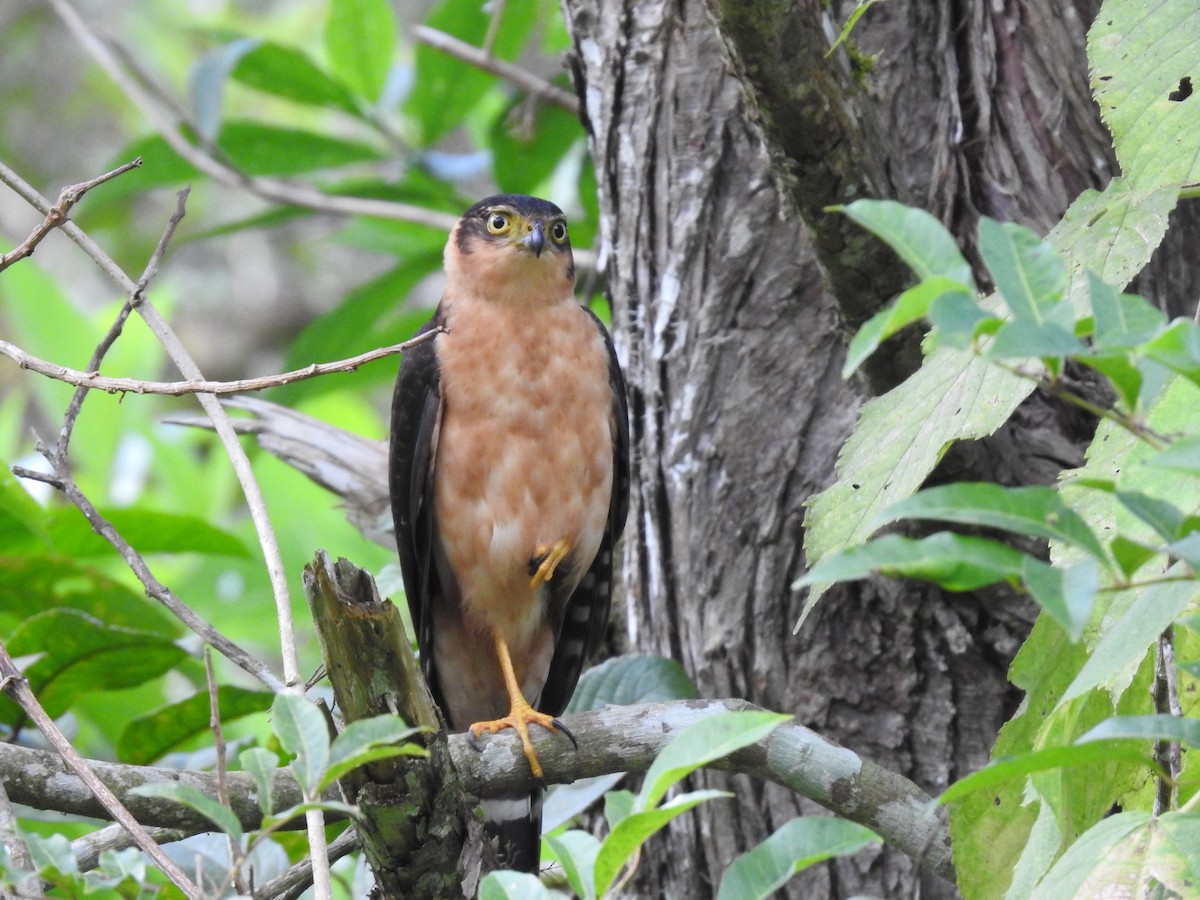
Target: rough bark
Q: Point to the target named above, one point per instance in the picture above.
(732, 347)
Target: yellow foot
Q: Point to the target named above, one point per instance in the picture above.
(520, 718)
(546, 560)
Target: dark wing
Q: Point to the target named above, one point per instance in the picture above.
(416, 419)
(586, 616)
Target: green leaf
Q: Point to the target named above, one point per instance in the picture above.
(802, 842)
(368, 740)
(528, 148)
(1181, 455)
(702, 743)
(1122, 371)
(150, 736)
(50, 853)
(1035, 511)
(186, 795)
(81, 655)
(1155, 727)
(955, 562)
(1008, 768)
(1126, 640)
(911, 306)
(1024, 338)
(920, 240)
(302, 731)
(1089, 854)
(149, 530)
(1169, 522)
(360, 38)
(636, 829)
(1066, 593)
(451, 88)
(1121, 320)
(207, 82)
(1130, 555)
(289, 73)
(261, 764)
(631, 679)
(1178, 348)
(618, 805)
(507, 885)
(577, 851)
(1028, 272)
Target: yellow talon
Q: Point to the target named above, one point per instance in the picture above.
(550, 558)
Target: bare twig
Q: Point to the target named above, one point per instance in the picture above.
(295, 881)
(58, 213)
(489, 40)
(91, 381)
(16, 686)
(288, 193)
(214, 723)
(62, 480)
(1166, 701)
(114, 331)
(482, 59)
(220, 419)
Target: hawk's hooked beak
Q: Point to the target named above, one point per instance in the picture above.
(536, 238)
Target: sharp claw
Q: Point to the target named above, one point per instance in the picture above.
(567, 731)
(473, 740)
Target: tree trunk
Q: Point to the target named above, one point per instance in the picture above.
(714, 162)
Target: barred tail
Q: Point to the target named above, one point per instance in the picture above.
(515, 820)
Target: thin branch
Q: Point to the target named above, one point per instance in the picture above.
(91, 380)
(482, 59)
(58, 213)
(489, 40)
(62, 480)
(295, 881)
(88, 848)
(16, 686)
(288, 193)
(18, 851)
(613, 739)
(220, 420)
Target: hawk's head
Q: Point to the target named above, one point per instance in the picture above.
(511, 240)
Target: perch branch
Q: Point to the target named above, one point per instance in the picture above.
(91, 380)
(58, 213)
(613, 739)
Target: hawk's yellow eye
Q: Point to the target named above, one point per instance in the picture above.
(498, 223)
(558, 232)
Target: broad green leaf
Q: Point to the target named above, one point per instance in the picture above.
(148, 530)
(1155, 727)
(1028, 272)
(636, 829)
(288, 72)
(1174, 855)
(1089, 853)
(148, 737)
(1187, 549)
(1167, 520)
(630, 679)
(51, 852)
(911, 306)
(369, 740)
(360, 38)
(1137, 56)
(957, 321)
(702, 743)
(302, 731)
(1066, 593)
(577, 851)
(1036, 511)
(261, 764)
(527, 147)
(1122, 372)
(917, 237)
(1008, 768)
(802, 842)
(508, 885)
(451, 88)
(81, 655)
(617, 806)
(1023, 338)
(1125, 642)
(1121, 320)
(1130, 555)
(1178, 348)
(956, 562)
(1181, 455)
(186, 795)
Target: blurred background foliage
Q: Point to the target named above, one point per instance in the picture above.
(339, 96)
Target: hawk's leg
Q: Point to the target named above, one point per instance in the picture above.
(546, 560)
(520, 715)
